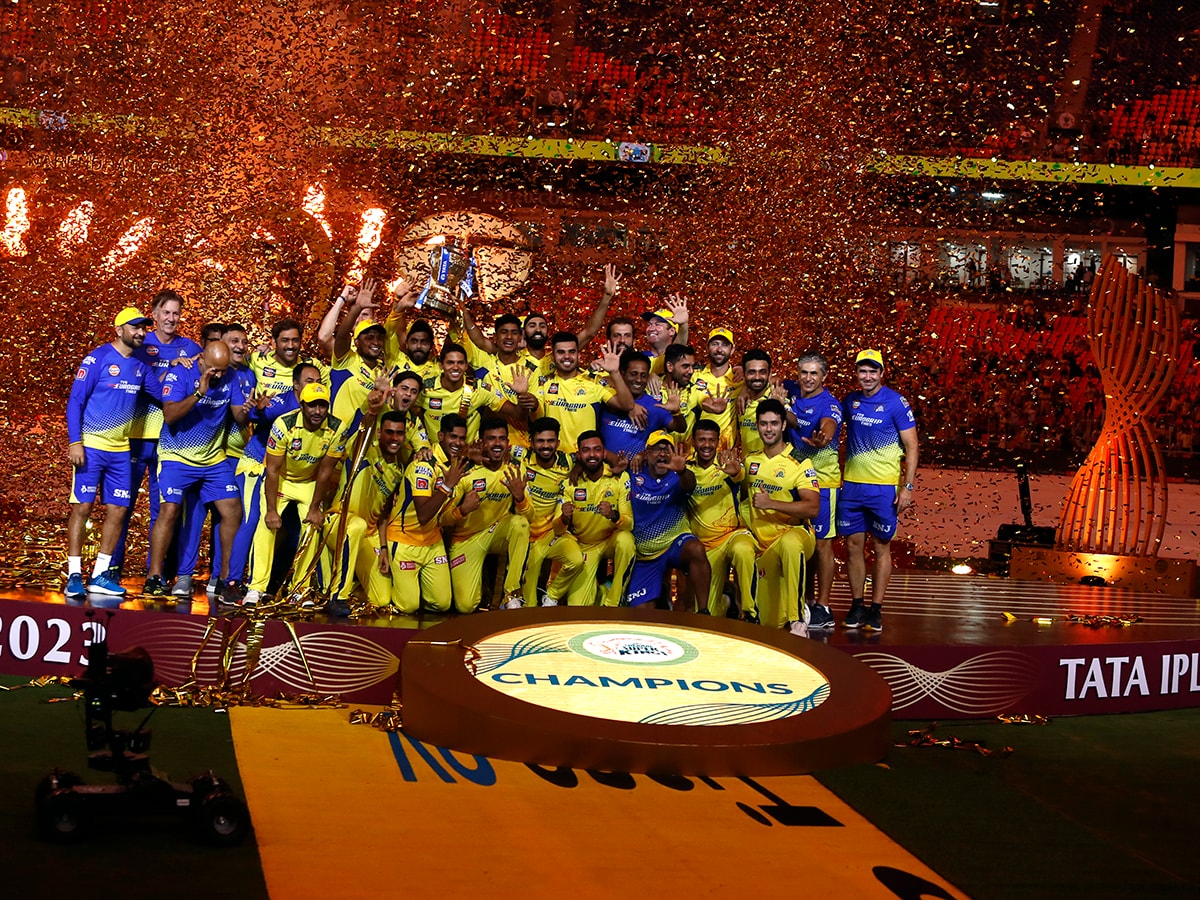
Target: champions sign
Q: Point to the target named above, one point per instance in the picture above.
(649, 673)
(651, 691)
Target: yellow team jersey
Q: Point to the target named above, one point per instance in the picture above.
(587, 524)
(713, 505)
(572, 401)
(495, 502)
(747, 424)
(782, 477)
(355, 385)
(436, 401)
(377, 479)
(273, 377)
(302, 449)
(421, 479)
(393, 350)
(719, 385)
(542, 488)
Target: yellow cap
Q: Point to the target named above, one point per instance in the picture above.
(658, 437)
(721, 333)
(131, 315)
(364, 325)
(870, 357)
(314, 392)
(665, 314)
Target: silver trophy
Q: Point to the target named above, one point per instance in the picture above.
(451, 276)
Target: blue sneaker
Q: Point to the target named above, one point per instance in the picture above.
(104, 584)
(75, 588)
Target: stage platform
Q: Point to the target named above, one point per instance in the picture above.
(947, 649)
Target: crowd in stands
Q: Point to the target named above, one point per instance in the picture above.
(994, 381)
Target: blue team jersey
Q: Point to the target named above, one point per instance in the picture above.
(148, 421)
(809, 413)
(197, 439)
(105, 397)
(659, 512)
(245, 383)
(873, 427)
(622, 436)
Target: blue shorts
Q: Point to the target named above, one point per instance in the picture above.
(645, 581)
(867, 507)
(824, 523)
(108, 472)
(216, 482)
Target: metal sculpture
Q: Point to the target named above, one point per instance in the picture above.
(1117, 503)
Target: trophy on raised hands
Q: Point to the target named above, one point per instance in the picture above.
(451, 275)
(463, 257)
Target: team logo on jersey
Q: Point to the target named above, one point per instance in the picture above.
(639, 479)
(422, 484)
(152, 350)
(81, 374)
(879, 408)
(703, 385)
(478, 484)
(270, 443)
(753, 468)
(268, 373)
(553, 389)
(581, 392)
(580, 493)
(295, 445)
(435, 402)
(530, 475)
(114, 369)
(166, 391)
(854, 405)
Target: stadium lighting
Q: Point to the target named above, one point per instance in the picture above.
(961, 569)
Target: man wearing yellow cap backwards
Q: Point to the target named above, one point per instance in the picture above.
(880, 431)
(100, 412)
(303, 450)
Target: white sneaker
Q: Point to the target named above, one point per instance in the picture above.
(513, 603)
(251, 598)
(800, 629)
(214, 585)
(547, 600)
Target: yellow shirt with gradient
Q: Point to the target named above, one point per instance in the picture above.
(495, 501)
(713, 505)
(588, 524)
(543, 488)
(782, 477)
(572, 401)
(421, 479)
(302, 449)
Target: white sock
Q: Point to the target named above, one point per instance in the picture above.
(74, 565)
(103, 561)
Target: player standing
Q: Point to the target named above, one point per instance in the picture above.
(100, 413)
(880, 430)
(814, 421)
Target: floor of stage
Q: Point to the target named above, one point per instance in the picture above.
(922, 608)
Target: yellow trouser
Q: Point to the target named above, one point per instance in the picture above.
(736, 552)
(357, 563)
(509, 537)
(781, 577)
(562, 549)
(420, 572)
(262, 551)
(582, 590)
